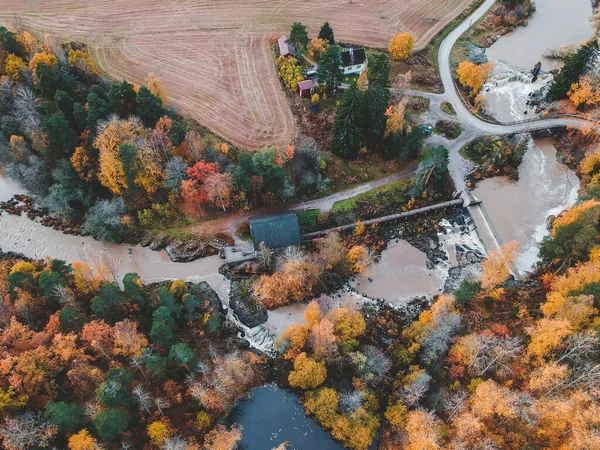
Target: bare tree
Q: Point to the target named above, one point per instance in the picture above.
(26, 110)
(161, 404)
(580, 348)
(142, 397)
(351, 401)
(439, 337)
(377, 363)
(64, 297)
(175, 443)
(455, 402)
(412, 393)
(28, 430)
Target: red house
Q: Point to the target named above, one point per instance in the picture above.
(305, 87)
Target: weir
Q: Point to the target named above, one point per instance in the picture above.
(485, 228)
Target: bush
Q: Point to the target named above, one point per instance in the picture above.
(448, 129)
(448, 108)
(467, 291)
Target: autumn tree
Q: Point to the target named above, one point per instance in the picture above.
(294, 282)
(401, 46)
(110, 136)
(158, 432)
(472, 75)
(307, 373)
(424, 430)
(220, 438)
(13, 66)
(290, 72)
(82, 441)
(586, 92)
(498, 265)
(156, 86)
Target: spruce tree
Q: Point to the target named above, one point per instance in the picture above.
(575, 66)
(326, 33)
(379, 69)
(330, 68)
(298, 37)
(376, 99)
(349, 124)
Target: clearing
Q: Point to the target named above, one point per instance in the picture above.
(214, 57)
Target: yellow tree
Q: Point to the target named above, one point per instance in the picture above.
(13, 66)
(110, 136)
(316, 47)
(395, 117)
(307, 373)
(47, 58)
(82, 441)
(493, 400)
(323, 404)
(156, 87)
(472, 75)
(586, 91)
(401, 46)
(158, 432)
(497, 266)
(81, 60)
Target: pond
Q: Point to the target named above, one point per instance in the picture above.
(555, 23)
(272, 416)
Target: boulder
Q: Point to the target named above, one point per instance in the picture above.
(244, 305)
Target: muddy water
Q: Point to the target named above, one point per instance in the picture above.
(555, 23)
(21, 235)
(519, 210)
(400, 274)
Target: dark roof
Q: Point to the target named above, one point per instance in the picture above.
(353, 58)
(275, 230)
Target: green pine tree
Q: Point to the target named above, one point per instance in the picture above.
(330, 70)
(379, 69)
(298, 37)
(326, 33)
(349, 124)
(376, 99)
(575, 66)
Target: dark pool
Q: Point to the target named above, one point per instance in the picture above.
(272, 416)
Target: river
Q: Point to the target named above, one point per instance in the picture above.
(555, 23)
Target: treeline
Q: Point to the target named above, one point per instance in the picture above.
(113, 157)
(89, 363)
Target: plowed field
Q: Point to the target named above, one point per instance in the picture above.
(214, 55)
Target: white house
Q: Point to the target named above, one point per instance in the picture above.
(354, 60)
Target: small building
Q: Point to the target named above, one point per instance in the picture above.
(284, 48)
(275, 230)
(354, 60)
(306, 87)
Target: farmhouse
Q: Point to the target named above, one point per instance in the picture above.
(306, 87)
(354, 60)
(284, 48)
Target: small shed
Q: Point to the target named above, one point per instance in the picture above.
(284, 48)
(306, 87)
(275, 230)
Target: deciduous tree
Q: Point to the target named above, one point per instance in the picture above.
(401, 46)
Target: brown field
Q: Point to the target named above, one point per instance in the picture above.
(214, 55)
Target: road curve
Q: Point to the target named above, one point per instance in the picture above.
(462, 112)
